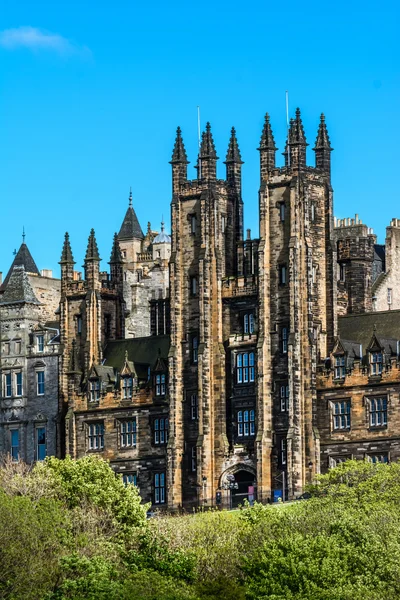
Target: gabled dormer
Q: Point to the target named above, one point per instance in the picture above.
(160, 374)
(344, 354)
(375, 356)
(128, 378)
(100, 379)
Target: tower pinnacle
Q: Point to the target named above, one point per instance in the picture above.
(179, 153)
(267, 148)
(92, 252)
(233, 154)
(323, 147)
(207, 163)
(297, 142)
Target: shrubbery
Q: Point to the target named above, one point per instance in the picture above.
(70, 530)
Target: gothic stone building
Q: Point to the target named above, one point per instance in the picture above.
(29, 362)
(208, 367)
(268, 366)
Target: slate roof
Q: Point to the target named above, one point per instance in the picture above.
(360, 328)
(142, 352)
(130, 227)
(24, 258)
(18, 289)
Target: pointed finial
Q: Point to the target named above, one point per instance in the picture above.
(267, 141)
(148, 227)
(207, 146)
(126, 356)
(374, 327)
(66, 254)
(162, 223)
(130, 197)
(179, 153)
(296, 131)
(23, 234)
(116, 254)
(233, 154)
(322, 140)
(92, 252)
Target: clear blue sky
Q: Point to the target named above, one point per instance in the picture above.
(92, 91)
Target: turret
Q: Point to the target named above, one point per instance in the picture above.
(297, 143)
(92, 262)
(323, 147)
(207, 163)
(67, 262)
(179, 162)
(267, 149)
(116, 262)
(234, 163)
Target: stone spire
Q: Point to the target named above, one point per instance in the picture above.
(233, 154)
(92, 252)
(234, 162)
(130, 228)
(207, 164)
(179, 153)
(67, 261)
(179, 162)
(116, 255)
(323, 147)
(66, 254)
(92, 262)
(116, 261)
(267, 149)
(297, 142)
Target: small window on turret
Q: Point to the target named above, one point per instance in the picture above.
(282, 212)
(193, 223)
(223, 223)
(312, 212)
(79, 324)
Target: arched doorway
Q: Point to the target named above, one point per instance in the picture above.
(246, 488)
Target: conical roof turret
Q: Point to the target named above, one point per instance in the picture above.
(66, 254)
(22, 258)
(179, 153)
(130, 228)
(92, 252)
(233, 154)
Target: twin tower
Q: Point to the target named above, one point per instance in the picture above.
(249, 318)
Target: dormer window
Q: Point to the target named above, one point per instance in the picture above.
(94, 390)
(376, 362)
(160, 384)
(40, 343)
(340, 367)
(127, 387)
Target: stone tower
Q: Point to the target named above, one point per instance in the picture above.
(91, 313)
(296, 304)
(206, 220)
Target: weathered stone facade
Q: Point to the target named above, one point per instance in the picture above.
(29, 369)
(146, 276)
(208, 367)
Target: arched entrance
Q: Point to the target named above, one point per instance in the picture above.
(245, 489)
